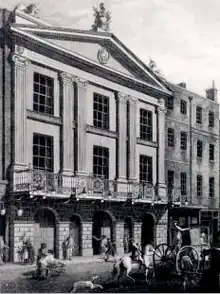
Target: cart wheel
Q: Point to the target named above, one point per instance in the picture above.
(187, 259)
(162, 255)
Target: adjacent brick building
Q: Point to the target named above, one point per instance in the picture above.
(192, 158)
(82, 132)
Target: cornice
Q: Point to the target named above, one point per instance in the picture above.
(97, 131)
(147, 143)
(70, 54)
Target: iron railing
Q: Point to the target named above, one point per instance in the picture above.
(43, 182)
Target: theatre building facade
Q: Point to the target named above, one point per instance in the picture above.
(82, 129)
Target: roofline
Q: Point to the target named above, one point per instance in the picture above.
(40, 40)
(32, 18)
(101, 35)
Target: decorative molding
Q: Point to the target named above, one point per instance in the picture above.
(65, 77)
(122, 98)
(147, 143)
(20, 60)
(161, 107)
(97, 131)
(133, 100)
(53, 120)
(81, 82)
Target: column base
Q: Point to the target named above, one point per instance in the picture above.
(81, 173)
(162, 191)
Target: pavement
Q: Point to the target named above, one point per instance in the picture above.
(75, 260)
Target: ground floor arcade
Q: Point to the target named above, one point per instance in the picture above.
(52, 223)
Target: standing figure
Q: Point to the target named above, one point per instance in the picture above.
(136, 254)
(2, 250)
(110, 250)
(69, 247)
(182, 236)
(24, 251)
(103, 245)
(42, 254)
(30, 251)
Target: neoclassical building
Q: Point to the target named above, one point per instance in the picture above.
(82, 131)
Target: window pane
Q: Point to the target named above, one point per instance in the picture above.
(42, 152)
(100, 111)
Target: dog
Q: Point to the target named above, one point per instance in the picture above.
(85, 285)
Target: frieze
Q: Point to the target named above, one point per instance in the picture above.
(20, 60)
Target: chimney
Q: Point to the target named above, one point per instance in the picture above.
(211, 93)
(182, 85)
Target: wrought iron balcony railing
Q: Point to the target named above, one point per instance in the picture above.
(38, 182)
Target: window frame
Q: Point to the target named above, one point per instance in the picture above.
(146, 129)
(199, 114)
(145, 174)
(199, 149)
(40, 137)
(211, 152)
(183, 107)
(103, 154)
(183, 140)
(183, 183)
(170, 137)
(211, 119)
(170, 103)
(101, 119)
(211, 187)
(39, 96)
(199, 184)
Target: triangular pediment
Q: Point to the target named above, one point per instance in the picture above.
(102, 49)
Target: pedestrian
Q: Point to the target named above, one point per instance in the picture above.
(42, 254)
(30, 251)
(103, 245)
(24, 251)
(182, 236)
(110, 250)
(135, 251)
(69, 247)
(2, 250)
(64, 250)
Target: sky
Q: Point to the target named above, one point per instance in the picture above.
(181, 36)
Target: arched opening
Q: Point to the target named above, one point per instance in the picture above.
(75, 233)
(147, 230)
(128, 234)
(102, 226)
(45, 229)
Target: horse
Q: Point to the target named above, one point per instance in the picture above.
(125, 264)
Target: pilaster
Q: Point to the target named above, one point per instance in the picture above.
(67, 134)
(161, 110)
(87, 239)
(132, 136)
(62, 232)
(120, 238)
(20, 96)
(81, 89)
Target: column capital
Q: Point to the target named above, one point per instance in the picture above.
(20, 60)
(161, 107)
(65, 77)
(122, 98)
(81, 82)
(133, 100)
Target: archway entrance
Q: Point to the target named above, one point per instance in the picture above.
(102, 226)
(128, 234)
(75, 232)
(45, 229)
(147, 230)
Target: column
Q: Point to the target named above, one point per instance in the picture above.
(161, 110)
(62, 232)
(132, 135)
(137, 232)
(20, 96)
(81, 125)
(120, 238)
(67, 134)
(87, 249)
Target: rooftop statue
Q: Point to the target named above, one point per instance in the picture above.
(31, 9)
(102, 18)
(152, 65)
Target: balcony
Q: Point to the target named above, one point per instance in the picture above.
(46, 184)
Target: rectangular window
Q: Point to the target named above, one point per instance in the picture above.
(183, 140)
(199, 115)
(212, 152)
(170, 135)
(101, 111)
(170, 178)
(100, 162)
(199, 185)
(211, 119)
(199, 149)
(42, 152)
(146, 169)
(170, 103)
(43, 94)
(146, 125)
(211, 187)
(183, 107)
(183, 180)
